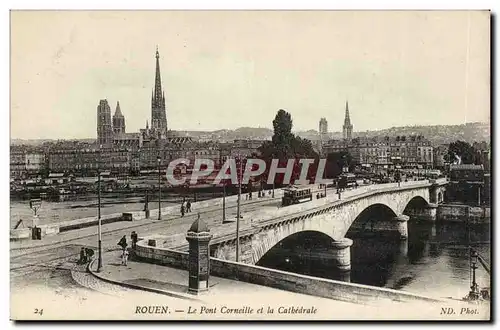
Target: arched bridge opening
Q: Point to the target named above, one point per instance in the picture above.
(414, 205)
(420, 209)
(307, 252)
(374, 220)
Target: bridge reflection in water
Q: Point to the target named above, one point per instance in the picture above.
(434, 261)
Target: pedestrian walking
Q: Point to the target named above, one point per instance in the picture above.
(188, 206)
(123, 243)
(124, 257)
(182, 210)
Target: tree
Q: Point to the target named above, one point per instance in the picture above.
(285, 145)
(335, 162)
(282, 138)
(467, 153)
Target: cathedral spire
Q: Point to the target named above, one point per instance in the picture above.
(347, 118)
(118, 111)
(158, 111)
(158, 91)
(347, 128)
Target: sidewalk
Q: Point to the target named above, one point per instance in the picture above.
(111, 227)
(174, 283)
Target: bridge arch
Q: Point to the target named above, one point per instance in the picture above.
(266, 242)
(417, 202)
(370, 217)
(299, 243)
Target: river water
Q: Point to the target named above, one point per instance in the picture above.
(434, 261)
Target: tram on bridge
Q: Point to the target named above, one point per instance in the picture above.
(347, 180)
(296, 194)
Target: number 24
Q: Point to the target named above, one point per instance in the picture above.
(38, 311)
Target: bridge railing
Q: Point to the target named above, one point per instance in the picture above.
(297, 210)
(255, 220)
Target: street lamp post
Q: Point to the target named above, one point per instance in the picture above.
(99, 222)
(238, 212)
(159, 188)
(474, 293)
(223, 201)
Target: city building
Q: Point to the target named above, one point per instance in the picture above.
(17, 164)
(384, 152)
(26, 162)
(89, 161)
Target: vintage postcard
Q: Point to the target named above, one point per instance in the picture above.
(250, 165)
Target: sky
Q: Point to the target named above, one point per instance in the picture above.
(229, 69)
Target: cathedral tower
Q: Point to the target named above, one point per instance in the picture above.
(118, 120)
(104, 127)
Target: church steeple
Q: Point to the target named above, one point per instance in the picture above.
(118, 111)
(157, 91)
(118, 120)
(347, 120)
(347, 128)
(158, 112)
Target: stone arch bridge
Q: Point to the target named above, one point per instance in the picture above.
(334, 217)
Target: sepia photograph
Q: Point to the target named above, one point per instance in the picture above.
(261, 165)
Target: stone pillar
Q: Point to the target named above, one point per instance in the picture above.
(403, 248)
(345, 276)
(342, 253)
(429, 213)
(198, 237)
(402, 225)
(433, 193)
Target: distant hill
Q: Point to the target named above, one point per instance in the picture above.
(438, 134)
(38, 142)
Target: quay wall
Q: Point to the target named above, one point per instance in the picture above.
(54, 229)
(460, 213)
(315, 286)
